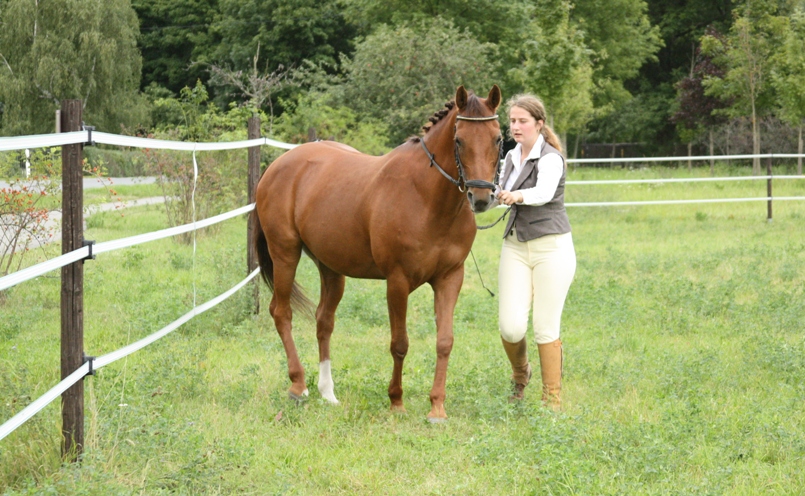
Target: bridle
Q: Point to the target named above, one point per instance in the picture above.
(461, 183)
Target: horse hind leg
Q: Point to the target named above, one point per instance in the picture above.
(332, 289)
(280, 308)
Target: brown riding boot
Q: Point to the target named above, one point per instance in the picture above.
(521, 370)
(550, 359)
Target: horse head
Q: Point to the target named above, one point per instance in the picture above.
(478, 145)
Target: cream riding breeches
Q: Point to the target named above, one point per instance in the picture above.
(534, 275)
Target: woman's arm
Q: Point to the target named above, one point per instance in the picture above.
(551, 168)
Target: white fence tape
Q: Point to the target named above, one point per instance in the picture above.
(43, 268)
(171, 231)
(128, 350)
(75, 137)
(115, 139)
(43, 401)
(34, 408)
(679, 159)
(680, 202)
(681, 180)
(41, 140)
(68, 258)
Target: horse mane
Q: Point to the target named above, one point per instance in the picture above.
(473, 104)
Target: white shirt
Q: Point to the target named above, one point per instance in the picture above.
(551, 168)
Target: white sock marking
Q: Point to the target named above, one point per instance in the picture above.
(326, 384)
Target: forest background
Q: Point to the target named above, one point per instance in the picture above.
(625, 77)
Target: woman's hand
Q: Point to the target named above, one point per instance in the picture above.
(510, 197)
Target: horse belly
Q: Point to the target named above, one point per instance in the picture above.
(343, 252)
(335, 234)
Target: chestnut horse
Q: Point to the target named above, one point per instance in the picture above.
(406, 217)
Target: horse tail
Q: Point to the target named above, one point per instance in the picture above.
(299, 301)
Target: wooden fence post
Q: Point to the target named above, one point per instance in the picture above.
(72, 285)
(254, 178)
(768, 188)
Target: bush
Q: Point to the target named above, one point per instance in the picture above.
(314, 111)
(222, 175)
(118, 163)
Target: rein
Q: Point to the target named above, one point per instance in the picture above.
(461, 183)
(496, 222)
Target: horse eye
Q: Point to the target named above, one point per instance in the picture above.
(459, 142)
(499, 140)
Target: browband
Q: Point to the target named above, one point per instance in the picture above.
(462, 118)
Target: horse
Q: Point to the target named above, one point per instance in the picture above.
(405, 217)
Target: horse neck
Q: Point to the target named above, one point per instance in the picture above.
(440, 140)
(442, 198)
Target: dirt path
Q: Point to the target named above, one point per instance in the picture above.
(53, 223)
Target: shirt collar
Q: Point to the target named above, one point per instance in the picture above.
(536, 151)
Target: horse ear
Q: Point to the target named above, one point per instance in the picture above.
(461, 97)
(494, 98)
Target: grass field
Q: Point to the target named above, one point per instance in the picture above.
(684, 336)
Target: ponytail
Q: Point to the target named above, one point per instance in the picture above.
(551, 138)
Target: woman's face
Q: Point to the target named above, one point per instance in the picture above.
(524, 128)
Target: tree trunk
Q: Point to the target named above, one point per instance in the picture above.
(755, 143)
(799, 150)
(729, 131)
(690, 153)
(612, 164)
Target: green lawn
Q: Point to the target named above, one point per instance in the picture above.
(684, 335)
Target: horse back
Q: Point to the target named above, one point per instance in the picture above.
(316, 195)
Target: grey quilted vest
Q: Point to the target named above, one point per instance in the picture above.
(531, 222)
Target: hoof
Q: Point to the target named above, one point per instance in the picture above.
(298, 398)
(398, 409)
(437, 414)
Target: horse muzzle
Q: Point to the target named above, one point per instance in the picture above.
(481, 201)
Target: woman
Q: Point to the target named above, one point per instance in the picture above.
(537, 261)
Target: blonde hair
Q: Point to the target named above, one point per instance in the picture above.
(535, 107)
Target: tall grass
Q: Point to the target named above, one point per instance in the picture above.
(684, 344)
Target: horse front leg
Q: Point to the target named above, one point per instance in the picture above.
(397, 291)
(445, 295)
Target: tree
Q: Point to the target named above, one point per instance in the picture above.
(696, 112)
(555, 65)
(288, 32)
(504, 23)
(681, 24)
(402, 74)
(788, 78)
(173, 35)
(256, 86)
(44, 59)
(622, 39)
(745, 55)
